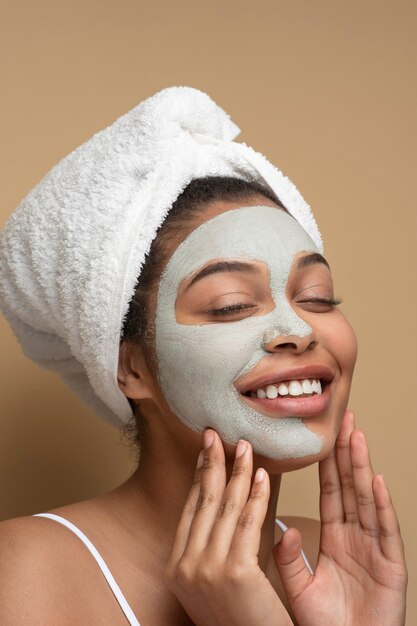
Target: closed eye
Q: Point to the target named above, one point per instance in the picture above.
(230, 309)
(319, 304)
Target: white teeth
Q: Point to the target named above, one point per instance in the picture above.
(316, 386)
(307, 386)
(295, 388)
(271, 392)
(292, 388)
(283, 389)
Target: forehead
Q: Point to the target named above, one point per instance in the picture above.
(261, 233)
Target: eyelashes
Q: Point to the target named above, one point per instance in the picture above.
(230, 309)
(240, 306)
(328, 301)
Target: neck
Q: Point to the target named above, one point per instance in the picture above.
(145, 511)
(155, 495)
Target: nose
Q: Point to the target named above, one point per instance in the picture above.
(290, 343)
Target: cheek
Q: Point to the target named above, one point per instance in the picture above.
(207, 352)
(339, 338)
(347, 345)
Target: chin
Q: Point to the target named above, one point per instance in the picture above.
(290, 464)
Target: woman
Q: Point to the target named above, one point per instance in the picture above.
(237, 366)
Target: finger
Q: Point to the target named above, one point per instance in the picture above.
(344, 464)
(247, 536)
(362, 481)
(187, 516)
(389, 530)
(331, 505)
(291, 565)
(212, 486)
(234, 500)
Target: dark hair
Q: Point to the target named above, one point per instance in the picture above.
(188, 204)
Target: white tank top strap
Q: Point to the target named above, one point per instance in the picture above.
(284, 529)
(124, 605)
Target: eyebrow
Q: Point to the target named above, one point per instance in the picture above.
(311, 259)
(223, 266)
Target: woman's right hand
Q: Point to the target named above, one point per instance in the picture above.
(213, 569)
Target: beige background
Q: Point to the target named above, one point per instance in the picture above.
(326, 89)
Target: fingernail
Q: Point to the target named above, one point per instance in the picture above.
(241, 448)
(208, 438)
(200, 459)
(260, 475)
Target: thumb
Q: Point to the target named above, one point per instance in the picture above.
(294, 570)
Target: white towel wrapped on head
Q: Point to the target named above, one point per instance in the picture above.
(71, 253)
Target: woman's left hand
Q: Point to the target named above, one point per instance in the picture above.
(361, 575)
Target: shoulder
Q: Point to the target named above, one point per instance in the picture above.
(24, 543)
(34, 537)
(37, 585)
(310, 532)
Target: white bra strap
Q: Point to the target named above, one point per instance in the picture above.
(101, 563)
(284, 529)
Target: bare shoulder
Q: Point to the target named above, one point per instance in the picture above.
(30, 571)
(37, 585)
(310, 532)
(25, 541)
(24, 544)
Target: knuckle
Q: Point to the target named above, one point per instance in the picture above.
(197, 478)
(208, 461)
(346, 481)
(189, 507)
(207, 576)
(384, 507)
(359, 464)
(342, 443)
(204, 500)
(235, 572)
(351, 517)
(246, 520)
(364, 499)
(239, 469)
(226, 507)
(329, 487)
(389, 533)
(371, 531)
(183, 575)
(257, 494)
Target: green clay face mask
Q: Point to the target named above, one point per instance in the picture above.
(199, 364)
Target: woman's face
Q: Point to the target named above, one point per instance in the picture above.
(248, 340)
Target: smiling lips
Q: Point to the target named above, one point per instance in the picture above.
(304, 387)
(295, 392)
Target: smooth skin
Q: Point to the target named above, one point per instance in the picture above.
(360, 577)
